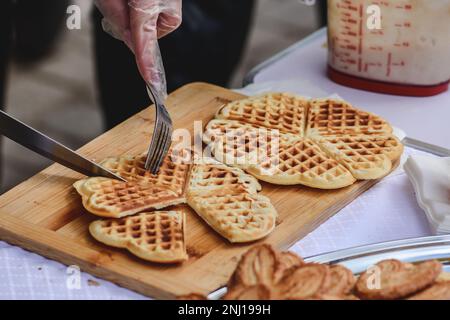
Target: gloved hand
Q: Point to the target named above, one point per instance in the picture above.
(140, 23)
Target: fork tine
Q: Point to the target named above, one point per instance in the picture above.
(158, 142)
(153, 145)
(162, 134)
(161, 152)
(164, 145)
(164, 148)
(154, 153)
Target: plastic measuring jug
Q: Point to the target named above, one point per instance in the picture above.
(391, 46)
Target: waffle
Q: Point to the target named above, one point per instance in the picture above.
(280, 159)
(173, 172)
(365, 156)
(302, 162)
(282, 111)
(238, 217)
(216, 178)
(238, 144)
(340, 144)
(227, 199)
(157, 236)
(332, 117)
(115, 199)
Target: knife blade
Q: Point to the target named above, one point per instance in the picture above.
(427, 147)
(36, 141)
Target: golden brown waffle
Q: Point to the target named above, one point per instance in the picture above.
(340, 144)
(365, 156)
(282, 111)
(237, 217)
(238, 144)
(214, 177)
(282, 159)
(333, 117)
(302, 162)
(115, 199)
(157, 236)
(173, 172)
(227, 199)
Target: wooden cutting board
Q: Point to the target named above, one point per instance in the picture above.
(44, 214)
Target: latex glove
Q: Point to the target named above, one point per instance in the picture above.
(140, 23)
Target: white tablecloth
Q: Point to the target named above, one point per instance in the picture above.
(387, 211)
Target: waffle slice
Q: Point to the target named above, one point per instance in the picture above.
(228, 200)
(302, 162)
(276, 158)
(115, 199)
(157, 236)
(282, 111)
(172, 173)
(365, 156)
(214, 178)
(238, 217)
(239, 144)
(336, 117)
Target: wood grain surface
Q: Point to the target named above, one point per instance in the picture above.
(44, 214)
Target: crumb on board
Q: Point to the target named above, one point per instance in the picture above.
(93, 283)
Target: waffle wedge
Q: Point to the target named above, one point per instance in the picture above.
(115, 199)
(228, 200)
(336, 117)
(282, 111)
(240, 144)
(340, 144)
(282, 159)
(172, 173)
(157, 236)
(365, 156)
(302, 162)
(213, 177)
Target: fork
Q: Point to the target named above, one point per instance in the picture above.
(162, 134)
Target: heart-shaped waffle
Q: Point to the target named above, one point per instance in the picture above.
(228, 200)
(115, 199)
(157, 236)
(282, 111)
(336, 117)
(339, 145)
(173, 172)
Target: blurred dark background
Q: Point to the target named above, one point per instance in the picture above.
(53, 87)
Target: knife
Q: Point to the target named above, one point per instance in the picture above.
(49, 148)
(427, 147)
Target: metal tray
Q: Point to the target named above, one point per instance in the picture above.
(359, 259)
(409, 250)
